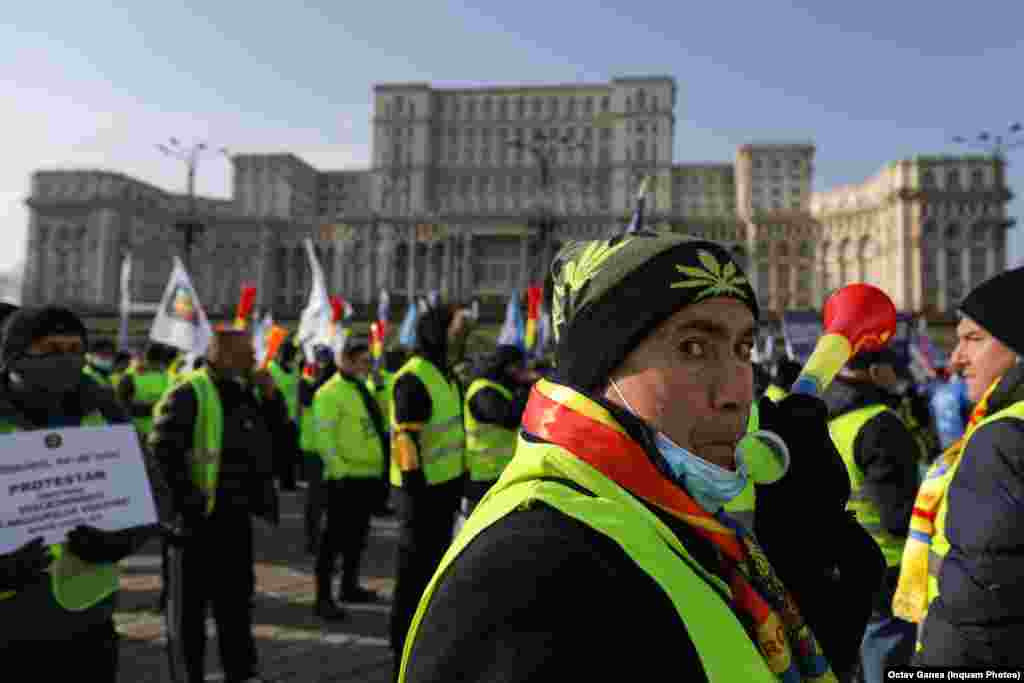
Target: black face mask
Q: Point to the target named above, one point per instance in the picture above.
(52, 374)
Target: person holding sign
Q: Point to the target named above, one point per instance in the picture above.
(58, 598)
(214, 437)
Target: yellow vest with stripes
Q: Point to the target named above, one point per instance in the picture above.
(347, 438)
(726, 651)
(442, 448)
(844, 430)
(489, 447)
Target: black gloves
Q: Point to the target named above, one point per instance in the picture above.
(825, 559)
(99, 546)
(24, 565)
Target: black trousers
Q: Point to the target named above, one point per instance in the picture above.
(212, 568)
(90, 654)
(350, 502)
(425, 520)
(286, 462)
(315, 497)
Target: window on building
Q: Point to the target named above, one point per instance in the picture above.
(758, 164)
(538, 105)
(520, 107)
(605, 155)
(487, 107)
(606, 104)
(571, 113)
(471, 109)
(606, 134)
(553, 107)
(412, 110)
(928, 178)
(977, 178)
(503, 108)
(953, 179)
(952, 233)
(641, 151)
(641, 99)
(629, 104)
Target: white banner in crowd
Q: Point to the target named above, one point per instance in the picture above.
(315, 323)
(180, 319)
(55, 479)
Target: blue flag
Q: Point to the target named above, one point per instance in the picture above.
(513, 332)
(407, 332)
(637, 224)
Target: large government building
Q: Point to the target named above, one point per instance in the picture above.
(472, 190)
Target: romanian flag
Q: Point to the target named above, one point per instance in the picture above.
(376, 341)
(245, 304)
(533, 299)
(275, 338)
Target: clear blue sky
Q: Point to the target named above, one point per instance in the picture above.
(88, 84)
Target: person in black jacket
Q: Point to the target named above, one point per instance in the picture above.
(212, 553)
(42, 387)
(505, 367)
(541, 595)
(426, 512)
(882, 462)
(977, 619)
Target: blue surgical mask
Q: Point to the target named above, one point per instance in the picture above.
(710, 485)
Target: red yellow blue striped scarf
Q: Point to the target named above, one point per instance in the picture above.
(910, 601)
(566, 418)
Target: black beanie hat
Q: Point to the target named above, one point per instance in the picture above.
(607, 295)
(990, 304)
(29, 324)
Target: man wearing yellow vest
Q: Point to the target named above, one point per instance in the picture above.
(427, 460)
(352, 444)
(881, 458)
(976, 616)
(141, 388)
(55, 623)
(287, 373)
(100, 362)
(314, 376)
(603, 553)
(380, 383)
(214, 437)
(495, 402)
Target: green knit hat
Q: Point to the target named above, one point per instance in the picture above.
(607, 295)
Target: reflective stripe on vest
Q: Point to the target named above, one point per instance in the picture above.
(844, 430)
(207, 435)
(489, 447)
(347, 438)
(76, 584)
(442, 440)
(726, 651)
(149, 389)
(775, 393)
(940, 543)
(94, 374)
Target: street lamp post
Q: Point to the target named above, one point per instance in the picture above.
(191, 226)
(544, 148)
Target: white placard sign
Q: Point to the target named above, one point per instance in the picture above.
(52, 480)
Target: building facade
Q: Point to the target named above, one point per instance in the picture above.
(471, 191)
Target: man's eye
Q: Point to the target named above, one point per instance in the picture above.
(693, 348)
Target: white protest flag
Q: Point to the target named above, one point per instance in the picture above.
(126, 301)
(260, 333)
(181, 321)
(315, 323)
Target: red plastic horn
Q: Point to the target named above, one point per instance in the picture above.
(857, 317)
(862, 313)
